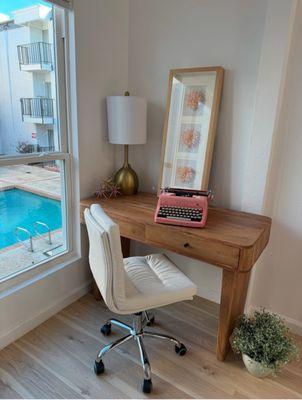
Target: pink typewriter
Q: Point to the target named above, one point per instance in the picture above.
(183, 207)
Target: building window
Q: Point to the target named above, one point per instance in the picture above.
(34, 156)
(50, 140)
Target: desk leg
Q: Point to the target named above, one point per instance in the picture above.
(125, 243)
(233, 296)
(95, 291)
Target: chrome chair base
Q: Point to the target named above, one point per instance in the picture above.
(136, 332)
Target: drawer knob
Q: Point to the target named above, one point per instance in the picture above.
(186, 245)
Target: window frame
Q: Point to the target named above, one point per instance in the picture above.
(66, 121)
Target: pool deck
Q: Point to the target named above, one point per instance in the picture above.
(37, 180)
(16, 258)
(32, 179)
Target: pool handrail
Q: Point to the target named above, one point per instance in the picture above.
(39, 223)
(30, 238)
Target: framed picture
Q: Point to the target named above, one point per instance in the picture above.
(190, 126)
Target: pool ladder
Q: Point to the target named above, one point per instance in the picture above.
(37, 224)
(30, 238)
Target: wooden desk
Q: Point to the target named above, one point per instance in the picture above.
(231, 240)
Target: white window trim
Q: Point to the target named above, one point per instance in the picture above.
(61, 3)
(70, 198)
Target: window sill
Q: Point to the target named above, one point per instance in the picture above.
(28, 277)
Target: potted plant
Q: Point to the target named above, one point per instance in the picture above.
(264, 342)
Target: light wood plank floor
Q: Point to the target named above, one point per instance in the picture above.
(56, 360)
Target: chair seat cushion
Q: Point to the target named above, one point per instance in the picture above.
(153, 281)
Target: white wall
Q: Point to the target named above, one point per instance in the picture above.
(102, 70)
(278, 278)
(26, 306)
(101, 61)
(167, 34)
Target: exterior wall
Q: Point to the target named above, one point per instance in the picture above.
(14, 85)
(22, 84)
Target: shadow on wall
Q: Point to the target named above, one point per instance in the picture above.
(280, 262)
(148, 176)
(223, 177)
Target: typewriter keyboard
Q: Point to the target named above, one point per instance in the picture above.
(180, 213)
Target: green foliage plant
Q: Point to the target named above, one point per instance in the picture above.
(264, 337)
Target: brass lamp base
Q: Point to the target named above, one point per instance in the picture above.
(127, 180)
(126, 177)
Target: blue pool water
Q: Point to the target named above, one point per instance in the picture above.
(20, 208)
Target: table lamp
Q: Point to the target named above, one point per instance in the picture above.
(127, 124)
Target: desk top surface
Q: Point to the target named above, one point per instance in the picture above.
(232, 228)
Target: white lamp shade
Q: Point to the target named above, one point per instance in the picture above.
(127, 119)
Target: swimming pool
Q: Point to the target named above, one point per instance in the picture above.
(19, 208)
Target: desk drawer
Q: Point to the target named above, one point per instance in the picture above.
(135, 231)
(193, 246)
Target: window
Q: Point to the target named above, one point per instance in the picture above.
(48, 90)
(35, 225)
(50, 140)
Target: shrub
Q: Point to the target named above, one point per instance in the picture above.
(25, 148)
(264, 337)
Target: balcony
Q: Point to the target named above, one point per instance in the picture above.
(35, 57)
(38, 110)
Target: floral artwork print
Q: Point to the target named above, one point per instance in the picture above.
(194, 98)
(185, 173)
(194, 101)
(189, 139)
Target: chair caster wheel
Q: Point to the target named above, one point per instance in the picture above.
(147, 386)
(181, 350)
(151, 321)
(106, 329)
(99, 367)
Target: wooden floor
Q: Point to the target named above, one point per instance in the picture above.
(56, 360)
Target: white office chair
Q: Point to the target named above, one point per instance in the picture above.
(132, 286)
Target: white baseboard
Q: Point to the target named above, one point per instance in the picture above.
(294, 325)
(43, 315)
(211, 295)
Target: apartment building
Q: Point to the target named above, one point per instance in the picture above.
(27, 75)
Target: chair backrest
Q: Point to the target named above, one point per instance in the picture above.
(105, 256)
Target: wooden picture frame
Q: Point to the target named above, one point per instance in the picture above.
(193, 100)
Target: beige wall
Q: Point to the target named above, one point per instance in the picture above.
(102, 70)
(101, 30)
(167, 34)
(278, 278)
(251, 40)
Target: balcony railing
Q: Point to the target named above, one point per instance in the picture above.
(37, 110)
(35, 56)
(36, 148)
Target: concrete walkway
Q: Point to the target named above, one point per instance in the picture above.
(17, 258)
(32, 179)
